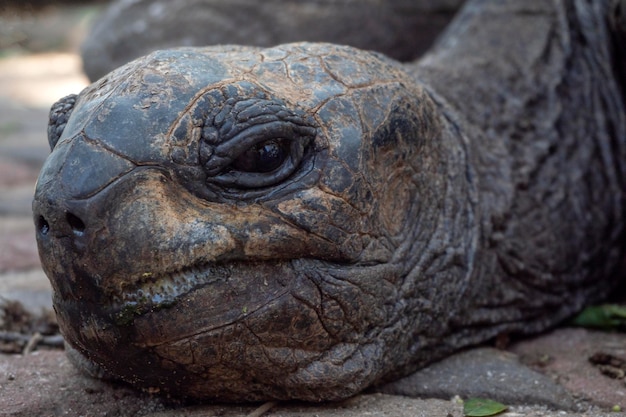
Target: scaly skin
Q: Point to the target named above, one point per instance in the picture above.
(305, 221)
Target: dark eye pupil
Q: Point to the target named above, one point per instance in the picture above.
(262, 157)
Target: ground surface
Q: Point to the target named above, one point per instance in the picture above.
(43, 383)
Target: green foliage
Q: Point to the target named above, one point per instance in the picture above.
(605, 316)
(478, 407)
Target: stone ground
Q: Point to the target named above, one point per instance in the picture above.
(559, 379)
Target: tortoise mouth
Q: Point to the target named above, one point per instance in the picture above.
(212, 285)
(151, 288)
(151, 292)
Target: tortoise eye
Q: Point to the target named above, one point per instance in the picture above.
(247, 140)
(261, 164)
(263, 157)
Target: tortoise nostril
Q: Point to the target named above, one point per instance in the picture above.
(42, 225)
(77, 225)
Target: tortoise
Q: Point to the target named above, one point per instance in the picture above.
(308, 220)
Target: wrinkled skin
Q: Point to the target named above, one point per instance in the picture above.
(308, 220)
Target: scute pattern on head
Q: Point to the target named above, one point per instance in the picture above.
(298, 251)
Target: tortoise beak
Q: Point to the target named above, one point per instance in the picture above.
(64, 181)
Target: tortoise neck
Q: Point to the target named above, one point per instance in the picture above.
(497, 59)
(535, 88)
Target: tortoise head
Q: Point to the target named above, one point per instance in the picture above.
(236, 223)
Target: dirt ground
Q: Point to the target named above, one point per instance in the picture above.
(38, 65)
